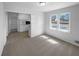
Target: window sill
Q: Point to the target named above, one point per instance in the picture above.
(64, 30)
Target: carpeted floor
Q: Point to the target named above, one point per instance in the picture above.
(18, 44)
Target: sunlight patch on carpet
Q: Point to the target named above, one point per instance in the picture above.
(52, 41)
(43, 36)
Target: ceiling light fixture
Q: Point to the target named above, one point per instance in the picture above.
(42, 3)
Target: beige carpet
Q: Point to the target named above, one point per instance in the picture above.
(18, 44)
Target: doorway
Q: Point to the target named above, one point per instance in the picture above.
(19, 23)
(12, 22)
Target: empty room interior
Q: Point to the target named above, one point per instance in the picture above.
(39, 28)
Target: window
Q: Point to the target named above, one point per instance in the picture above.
(60, 22)
(53, 22)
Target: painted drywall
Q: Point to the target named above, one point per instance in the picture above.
(36, 17)
(36, 7)
(3, 28)
(36, 24)
(74, 22)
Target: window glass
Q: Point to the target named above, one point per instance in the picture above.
(53, 22)
(60, 21)
(64, 21)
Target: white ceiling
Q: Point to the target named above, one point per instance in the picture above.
(35, 7)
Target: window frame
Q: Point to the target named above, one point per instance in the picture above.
(51, 23)
(58, 22)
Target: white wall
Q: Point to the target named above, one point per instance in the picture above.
(3, 28)
(74, 25)
(36, 17)
(37, 24)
